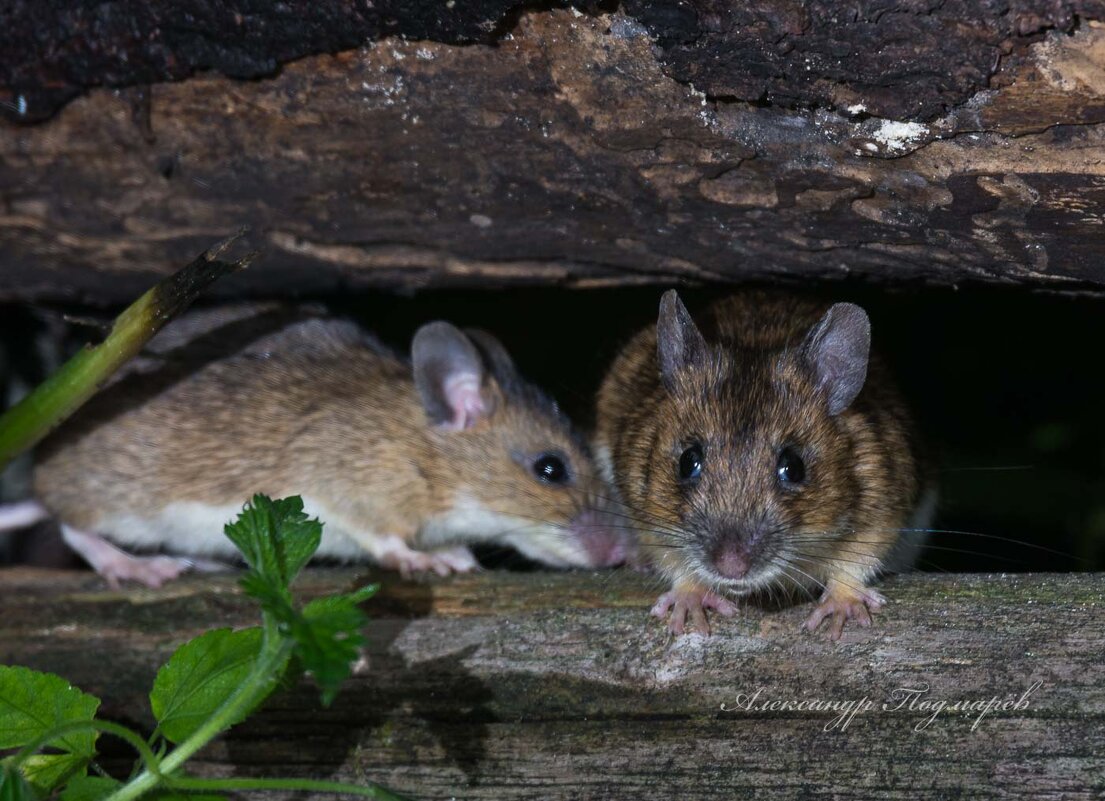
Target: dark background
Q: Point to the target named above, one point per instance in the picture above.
(1005, 385)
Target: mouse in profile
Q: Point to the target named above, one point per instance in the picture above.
(767, 451)
(408, 463)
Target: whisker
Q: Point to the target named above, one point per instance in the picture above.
(996, 537)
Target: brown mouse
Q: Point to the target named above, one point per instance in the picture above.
(406, 462)
(768, 451)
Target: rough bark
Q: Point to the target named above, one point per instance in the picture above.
(935, 142)
(916, 59)
(559, 686)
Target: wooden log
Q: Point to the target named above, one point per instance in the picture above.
(944, 143)
(559, 686)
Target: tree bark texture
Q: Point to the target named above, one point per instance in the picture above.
(493, 144)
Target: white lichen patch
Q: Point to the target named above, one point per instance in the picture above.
(384, 93)
(899, 136)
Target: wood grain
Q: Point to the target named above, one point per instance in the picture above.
(559, 686)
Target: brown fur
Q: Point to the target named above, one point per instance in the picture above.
(311, 407)
(754, 396)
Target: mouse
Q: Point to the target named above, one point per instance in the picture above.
(763, 449)
(408, 461)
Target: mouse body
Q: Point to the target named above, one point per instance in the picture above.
(760, 450)
(407, 462)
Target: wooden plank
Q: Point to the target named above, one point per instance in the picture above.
(559, 686)
(592, 149)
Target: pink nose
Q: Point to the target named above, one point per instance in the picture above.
(604, 546)
(731, 561)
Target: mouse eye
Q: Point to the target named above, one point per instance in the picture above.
(790, 469)
(690, 464)
(550, 469)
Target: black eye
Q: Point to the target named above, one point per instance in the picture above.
(790, 469)
(690, 463)
(551, 469)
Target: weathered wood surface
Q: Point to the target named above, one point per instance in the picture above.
(902, 58)
(930, 142)
(559, 686)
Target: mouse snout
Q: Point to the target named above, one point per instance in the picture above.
(731, 559)
(734, 551)
(604, 544)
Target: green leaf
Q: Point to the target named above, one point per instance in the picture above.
(328, 638)
(13, 787)
(32, 704)
(45, 771)
(327, 632)
(90, 788)
(276, 538)
(200, 676)
(273, 599)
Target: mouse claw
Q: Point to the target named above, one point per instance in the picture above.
(839, 605)
(692, 603)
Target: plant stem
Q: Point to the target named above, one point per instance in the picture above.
(309, 785)
(122, 732)
(274, 653)
(82, 376)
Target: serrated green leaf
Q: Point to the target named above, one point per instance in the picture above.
(31, 705)
(277, 540)
(276, 537)
(273, 599)
(329, 637)
(200, 676)
(13, 787)
(90, 788)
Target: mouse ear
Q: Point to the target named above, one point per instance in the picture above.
(448, 373)
(679, 343)
(495, 356)
(837, 349)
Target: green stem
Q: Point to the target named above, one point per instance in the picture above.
(82, 376)
(274, 653)
(309, 785)
(122, 732)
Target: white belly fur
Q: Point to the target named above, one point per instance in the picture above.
(196, 529)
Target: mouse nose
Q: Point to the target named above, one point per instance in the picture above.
(603, 543)
(731, 560)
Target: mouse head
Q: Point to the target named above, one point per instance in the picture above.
(518, 473)
(753, 466)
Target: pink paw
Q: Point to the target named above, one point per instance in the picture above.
(153, 571)
(840, 605)
(453, 560)
(692, 603)
(117, 566)
(443, 562)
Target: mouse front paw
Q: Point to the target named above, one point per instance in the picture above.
(443, 562)
(840, 604)
(692, 603)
